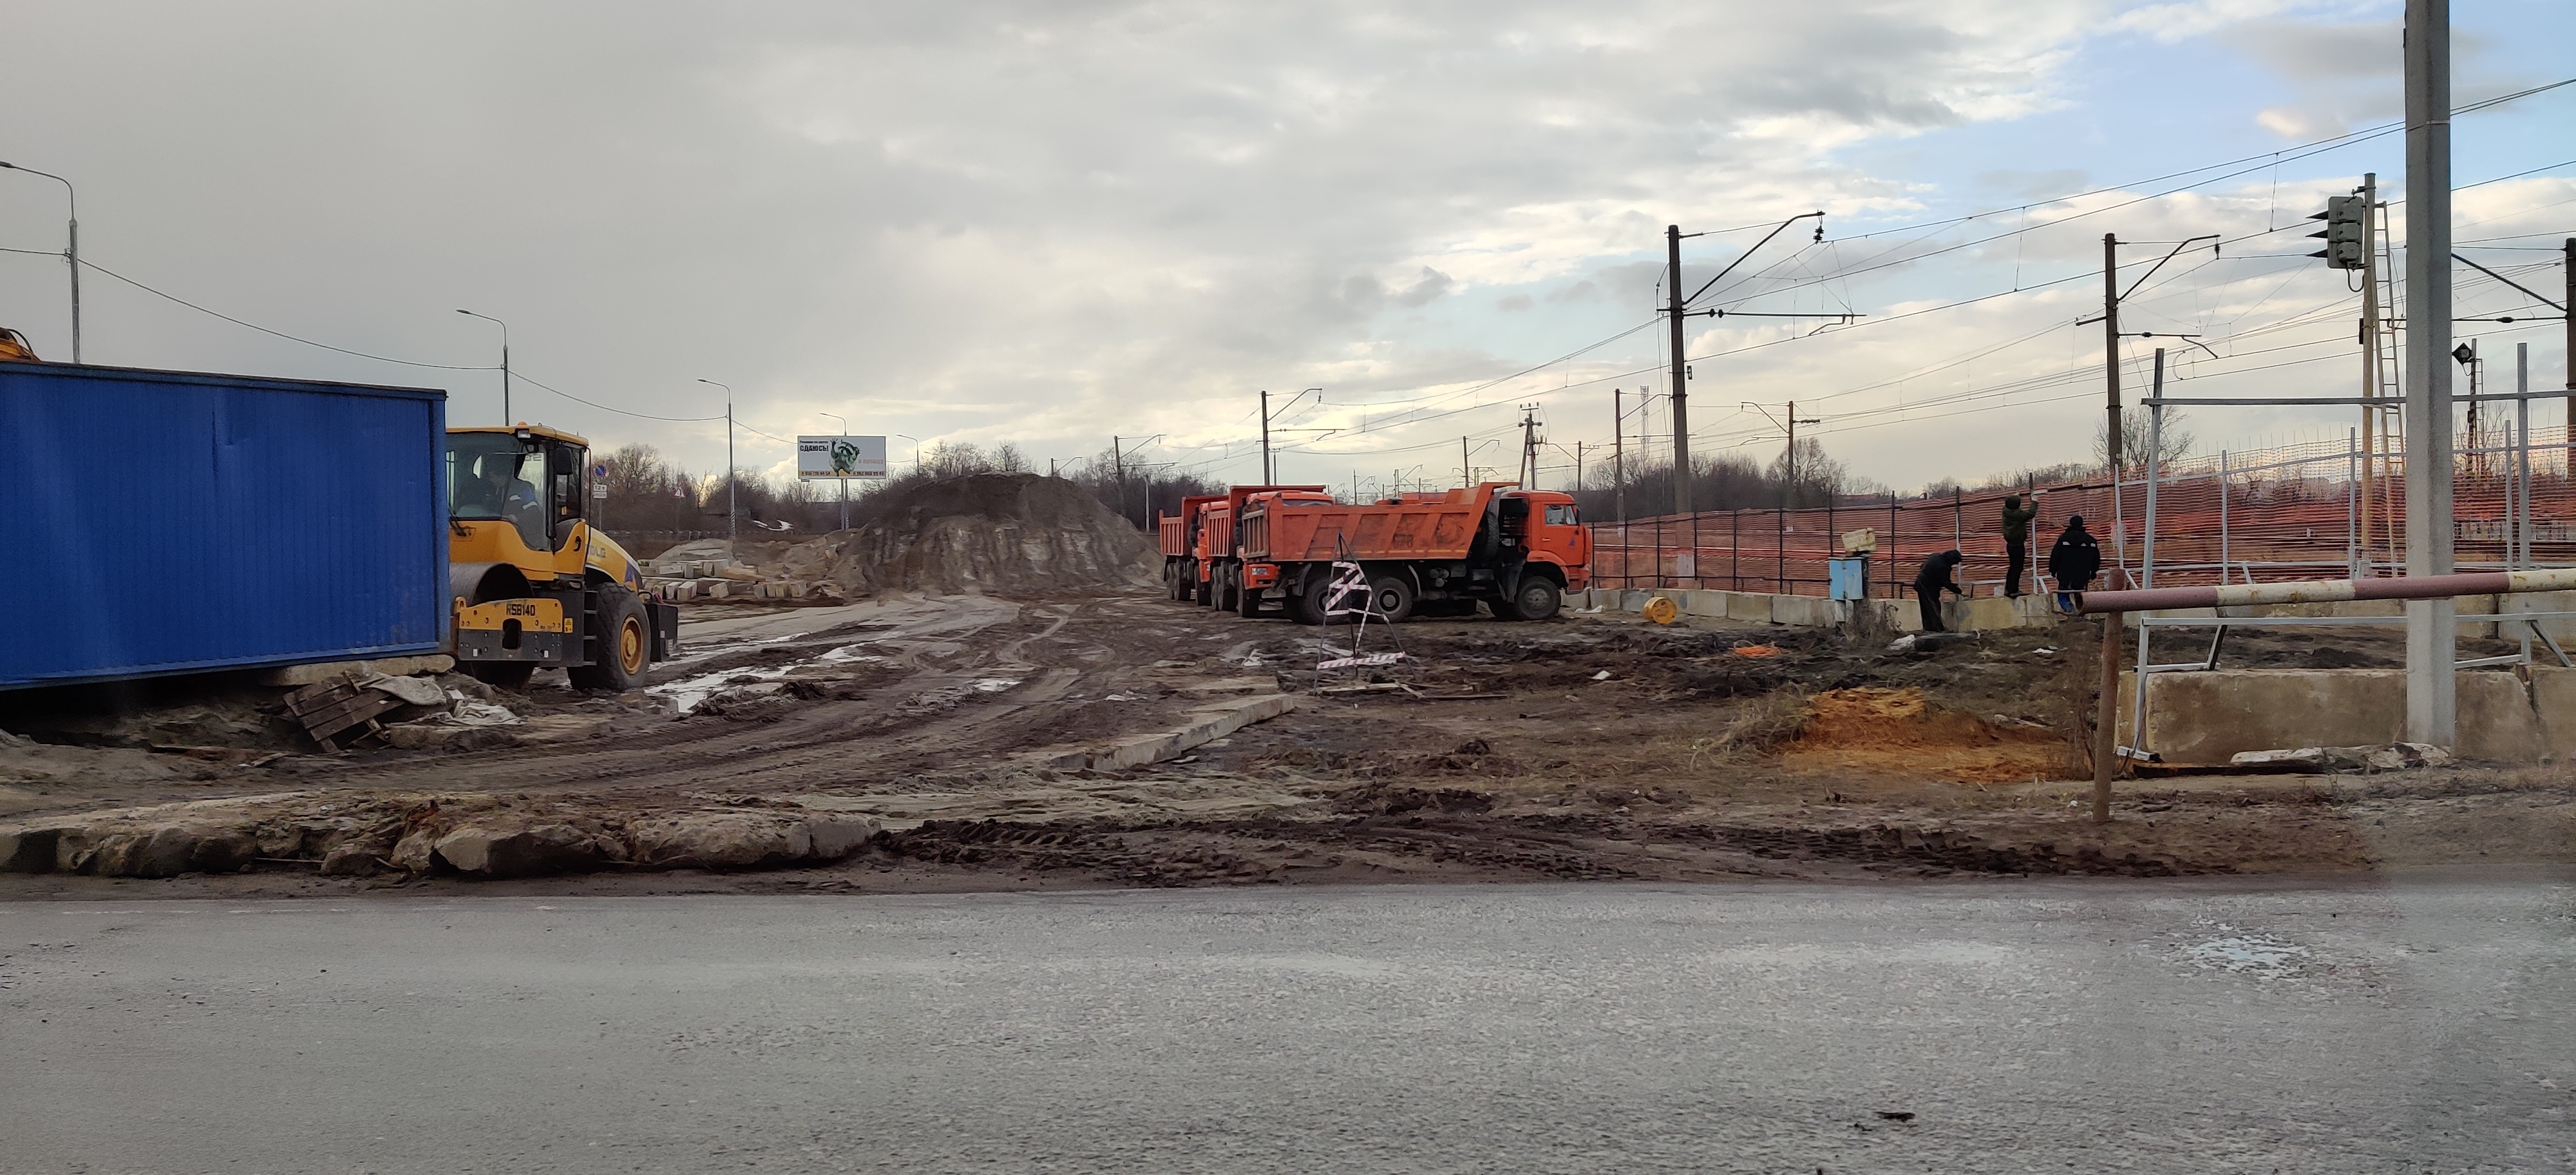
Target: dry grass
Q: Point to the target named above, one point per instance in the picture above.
(1759, 726)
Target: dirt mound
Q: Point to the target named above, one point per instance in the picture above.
(1898, 731)
(979, 533)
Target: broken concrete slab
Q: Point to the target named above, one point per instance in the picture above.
(2393, 757)
(1210, 722)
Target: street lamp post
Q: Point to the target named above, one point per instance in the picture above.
(505, 361)
(70, 254)
(844, 478)
(732, 516)
(916, 452)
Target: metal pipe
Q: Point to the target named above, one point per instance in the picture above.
(2326, 591)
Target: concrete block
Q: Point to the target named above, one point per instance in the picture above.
(303, 675)
(1981, 613)
(1900, 615)
(1803, 611)
(2206, 719)
(1752, 607)
(1711, 604)
(717, 589)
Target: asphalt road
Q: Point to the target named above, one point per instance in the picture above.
(2420, 1025)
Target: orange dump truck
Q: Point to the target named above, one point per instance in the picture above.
(1516, 550)
(1179, 535)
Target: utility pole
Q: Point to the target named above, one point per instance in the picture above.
(71, 252)
(1529, 446)
(1118, 463)
(1466, 472)
(1681, 394)
(1789, 484)
(1266, 479)
(2369, 350)
(2107, 709)
(2568, 271)
(506, 420)
(1619, 454)
(2432, 633)
(1578, 467)
(733, 517)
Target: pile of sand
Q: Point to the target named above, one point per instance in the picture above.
(1899, 732)
(987, 532)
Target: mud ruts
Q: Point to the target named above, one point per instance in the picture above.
(471, 836)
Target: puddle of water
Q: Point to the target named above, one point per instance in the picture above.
(687, 693)
(994, 685)
(2262, 956)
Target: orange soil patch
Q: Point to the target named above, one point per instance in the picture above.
(1899, 732)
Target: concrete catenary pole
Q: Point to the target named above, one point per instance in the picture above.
(1681, 394)
(2431, 630)
(1619, 453)
(2106, 735)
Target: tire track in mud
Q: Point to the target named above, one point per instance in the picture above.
(933, 718)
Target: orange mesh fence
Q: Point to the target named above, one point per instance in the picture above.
(2313, 511)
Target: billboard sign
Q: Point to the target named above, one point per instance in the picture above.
(840, 457)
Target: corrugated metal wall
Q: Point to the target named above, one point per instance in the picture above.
(160, 522)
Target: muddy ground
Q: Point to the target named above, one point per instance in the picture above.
(1593, 746)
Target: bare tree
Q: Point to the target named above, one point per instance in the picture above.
(2175, 441)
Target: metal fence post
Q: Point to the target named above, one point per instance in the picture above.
(2155, 441)
(1780, 550)
(2352, 502)
(1734, 550)
(2224, 556)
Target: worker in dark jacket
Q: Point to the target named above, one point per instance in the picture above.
(2016, 541)
(2074, 561)
(1939, 574)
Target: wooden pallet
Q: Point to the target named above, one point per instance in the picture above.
(329, 710)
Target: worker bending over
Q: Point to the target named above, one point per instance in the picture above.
(1939, 574)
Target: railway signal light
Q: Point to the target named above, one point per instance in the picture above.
(2346, 233)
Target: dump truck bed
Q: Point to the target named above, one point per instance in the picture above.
(1423, 527)
(1179, 532)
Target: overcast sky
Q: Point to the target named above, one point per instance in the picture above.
(1048, 223)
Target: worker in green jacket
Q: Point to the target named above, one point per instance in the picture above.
(2016, 541)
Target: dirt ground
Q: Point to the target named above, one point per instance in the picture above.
(1593, 746)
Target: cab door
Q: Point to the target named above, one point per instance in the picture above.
(1561, 538)
(567, 494)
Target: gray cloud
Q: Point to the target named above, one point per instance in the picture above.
(1005, 220)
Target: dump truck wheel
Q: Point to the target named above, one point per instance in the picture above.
(1229, 595)
(625, 644)
(1307, 607)
(1391, 597)
(1247, 601)
(1537, 599)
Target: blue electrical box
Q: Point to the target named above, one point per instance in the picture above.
(1848, 579)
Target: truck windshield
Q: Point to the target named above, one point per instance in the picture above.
(493, 476)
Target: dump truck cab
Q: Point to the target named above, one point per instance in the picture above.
(532, 582)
